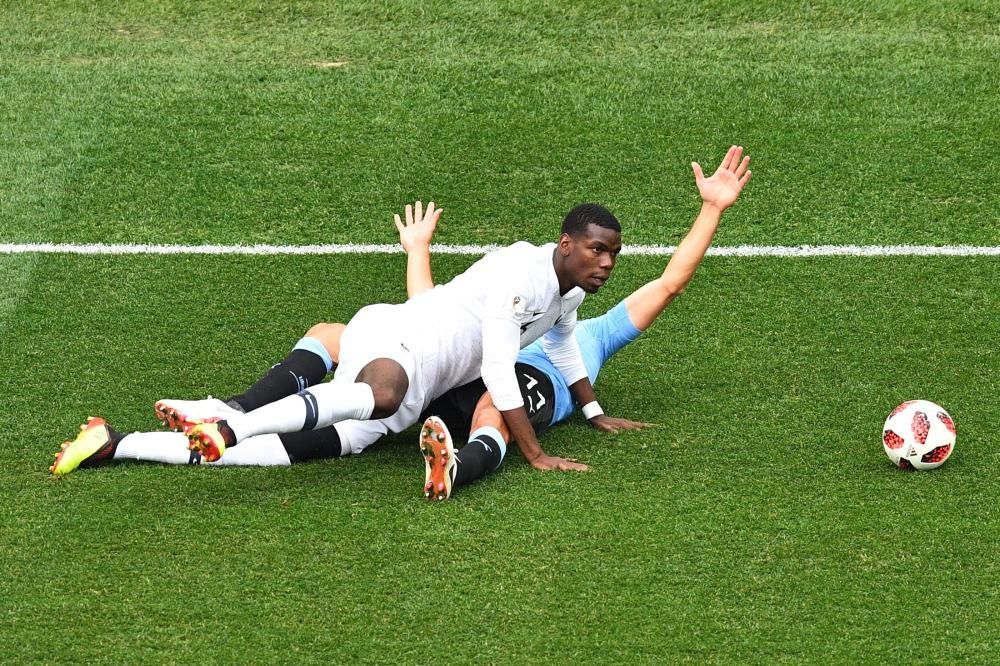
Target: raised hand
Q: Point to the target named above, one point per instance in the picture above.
(724, 186)
(419, 227)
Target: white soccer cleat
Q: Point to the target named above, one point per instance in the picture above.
(179, 414)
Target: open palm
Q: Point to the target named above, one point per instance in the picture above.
(418, 229)
(724, 186)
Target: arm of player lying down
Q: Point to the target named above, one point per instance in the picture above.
(415, 237)
(522, 433)
(563, 349)
(583, 393)
(718, 193)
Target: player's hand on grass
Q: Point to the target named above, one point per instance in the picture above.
(613, 424)
(419, 226)
(724, 186)
(545, 462)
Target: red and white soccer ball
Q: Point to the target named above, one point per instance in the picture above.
(918, 434)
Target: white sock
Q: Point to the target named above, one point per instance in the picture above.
(172, 448)
(262, 450)
(163, 447)
(316, 407)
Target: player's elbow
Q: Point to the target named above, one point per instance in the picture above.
(671, 289)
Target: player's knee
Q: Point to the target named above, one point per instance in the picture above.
(388, 382)
(329, 336)
(387, 400)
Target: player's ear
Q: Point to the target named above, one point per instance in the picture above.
(565, 245)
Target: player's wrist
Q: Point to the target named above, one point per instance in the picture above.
(592, 410)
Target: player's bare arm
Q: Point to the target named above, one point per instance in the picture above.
(415, 232)
(718, 193)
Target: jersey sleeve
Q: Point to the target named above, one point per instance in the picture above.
(562, 348)
(501, 344)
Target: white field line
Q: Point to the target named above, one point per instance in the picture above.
(647, 250)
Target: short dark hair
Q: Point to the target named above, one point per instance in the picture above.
(577, 220)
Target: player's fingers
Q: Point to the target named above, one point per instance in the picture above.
(727, 161)
(698, 175)
(724, 164)
(399, 223)
(745, 178)
(418, 212)
(741, 169)
(430, 210)
(409, 214)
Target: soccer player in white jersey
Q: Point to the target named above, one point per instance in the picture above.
(467, 408)
(395, 359)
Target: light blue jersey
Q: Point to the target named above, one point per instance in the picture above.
(599, 339)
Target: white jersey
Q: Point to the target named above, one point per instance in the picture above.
(473, 326)
(476, 324)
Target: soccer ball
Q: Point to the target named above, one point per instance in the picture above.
(918, 434)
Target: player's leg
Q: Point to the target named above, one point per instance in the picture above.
(312, 357)
(487, 444)
(171, 448)
(447, 468)
(377, 393)
(306, 365)
(98, 443)
(371, 381)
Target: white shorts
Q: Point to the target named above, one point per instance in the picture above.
(385, 331)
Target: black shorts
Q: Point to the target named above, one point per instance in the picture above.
(457, 406)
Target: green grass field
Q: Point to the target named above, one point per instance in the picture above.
(759, 523)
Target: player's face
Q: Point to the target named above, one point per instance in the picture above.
(590, 257)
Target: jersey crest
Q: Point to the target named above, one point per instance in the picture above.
(518, 304)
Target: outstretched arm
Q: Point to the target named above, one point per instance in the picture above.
(415, 237)
(718, 192)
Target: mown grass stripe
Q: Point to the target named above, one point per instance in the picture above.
(791, 251)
